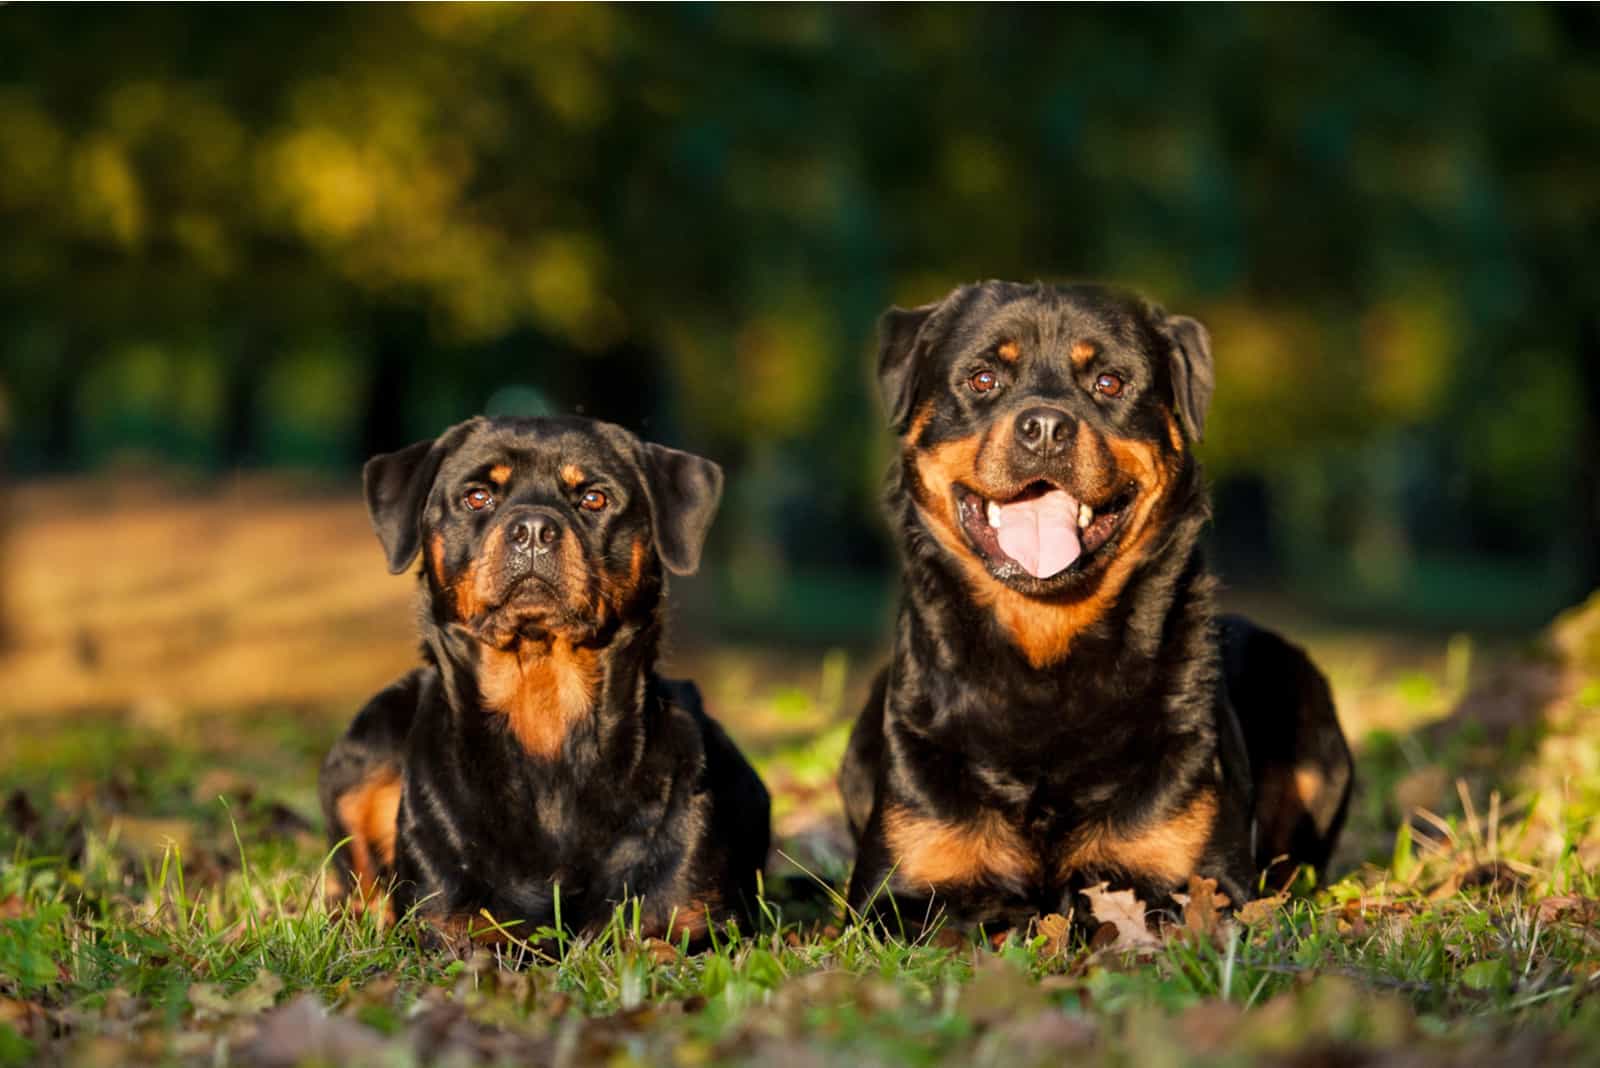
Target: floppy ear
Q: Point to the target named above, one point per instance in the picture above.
(1193, 376)
(899, 332)
(683, 490)
(396, 486)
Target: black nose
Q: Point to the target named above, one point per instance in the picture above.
(536, 529)
(1044, 431)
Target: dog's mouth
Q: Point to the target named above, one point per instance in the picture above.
(1043, 532)
(530, 605)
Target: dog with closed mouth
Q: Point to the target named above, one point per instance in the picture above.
(536, 753)
(1063, 707)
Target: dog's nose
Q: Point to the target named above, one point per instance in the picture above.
(1043, 431)
(533, 530)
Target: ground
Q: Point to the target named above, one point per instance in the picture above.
(160, 894)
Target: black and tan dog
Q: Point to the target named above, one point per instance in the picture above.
(1062, 706)
(538, 752)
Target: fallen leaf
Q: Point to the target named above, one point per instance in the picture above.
(999, 991)
(1573, 908)
(1104, 937)
(300, 1031)
(1201, 905)
(1038, 1038)
(1261, 909)
(1209, 1026)
(1126, 912)
(1057, 929)
(257, 997)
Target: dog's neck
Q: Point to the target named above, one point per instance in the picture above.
(554, 696)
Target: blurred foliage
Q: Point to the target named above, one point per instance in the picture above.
(284, 236)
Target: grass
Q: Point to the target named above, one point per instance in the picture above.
(160, 901)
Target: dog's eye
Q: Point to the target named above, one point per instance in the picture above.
(593, 501)
(478, 499)
(983, 382)
(1108, 385)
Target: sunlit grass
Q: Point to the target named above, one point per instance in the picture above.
(161, 898)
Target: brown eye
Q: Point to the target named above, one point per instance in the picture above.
(1108, 385)
(983, 381)
(592, 501)
(478, 499)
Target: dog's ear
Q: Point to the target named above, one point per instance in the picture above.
(1193, 375)
(900, 344)
(397, 484)
(683, 490)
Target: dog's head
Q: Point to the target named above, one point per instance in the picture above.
(1044, 429)
(539, 528)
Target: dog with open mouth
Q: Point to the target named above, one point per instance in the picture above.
(1063, 707)
(536, 768)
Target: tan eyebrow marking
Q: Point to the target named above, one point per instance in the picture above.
(500, 474)
(571, 476)
(1083, 352)
(1009, 351)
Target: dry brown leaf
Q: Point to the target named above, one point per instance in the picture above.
(259, 996)
(1057, 929)
(1261, 909)
(660, 950)
(1201, 905)
(1574, 908)
(999, 991)
(1123, 910)
(300, 1031)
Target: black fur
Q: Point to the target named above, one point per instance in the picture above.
(1071, 754)
(635, 791)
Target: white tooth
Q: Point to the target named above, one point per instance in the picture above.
(994, 514)
(1085, 516)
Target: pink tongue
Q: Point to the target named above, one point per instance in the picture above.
(1041, 533)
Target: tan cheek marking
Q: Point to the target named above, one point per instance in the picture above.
(500, 474)
(474, 588)
(541, 692)
(1082, 352)
(932, 853)
(436, 558)
(571, 476)
(1009, 351)
(636, 563)
(1174, 434)
(621, 586)
(919, 424)
(1167, 851)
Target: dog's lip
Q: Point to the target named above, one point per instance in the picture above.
(974, 510)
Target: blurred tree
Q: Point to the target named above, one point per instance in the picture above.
(257, 235)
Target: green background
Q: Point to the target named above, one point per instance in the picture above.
(285, 238)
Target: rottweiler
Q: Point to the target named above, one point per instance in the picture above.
(1063, 706)
(536, 766)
